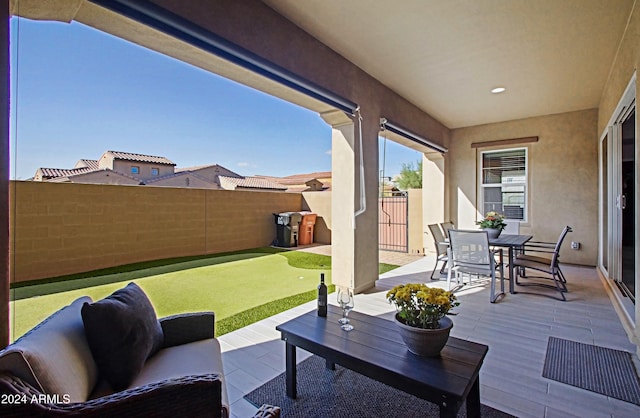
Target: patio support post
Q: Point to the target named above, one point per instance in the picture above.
(433, 193)
(354, 241)
(4, 180)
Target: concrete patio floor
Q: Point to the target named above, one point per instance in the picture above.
(516, 329)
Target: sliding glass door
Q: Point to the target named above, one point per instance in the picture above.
(618, 208)
(628, 202)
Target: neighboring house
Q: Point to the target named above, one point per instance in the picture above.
(45, 174)
(143, 167)
(310, 182)
(183, 179)
(249, 183)
(99, 176)
(124, 168)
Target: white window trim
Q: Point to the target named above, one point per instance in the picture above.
(481, 186)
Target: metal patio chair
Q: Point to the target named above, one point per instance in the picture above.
(469, 253)
(543, 257)
(446, 226)
(439, 242)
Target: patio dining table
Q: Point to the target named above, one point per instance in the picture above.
(512, 242)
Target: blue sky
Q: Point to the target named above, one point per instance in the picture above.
(77, 92)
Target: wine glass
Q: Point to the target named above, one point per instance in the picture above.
(345, 300)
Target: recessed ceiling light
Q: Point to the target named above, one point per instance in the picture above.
(497, 90)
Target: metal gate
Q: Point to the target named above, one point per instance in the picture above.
(393, 222)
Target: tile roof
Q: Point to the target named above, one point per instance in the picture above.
(203, 167)
(251, 183)
(64, 172)
(88, 163)
(194, 168)
(300, 179)
(120, 155)
(81, 172)
(315, 175)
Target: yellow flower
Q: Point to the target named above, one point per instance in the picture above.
(419, 305)
(442, 300)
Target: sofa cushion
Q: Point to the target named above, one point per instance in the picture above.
(123, 331)
(54, 357)
(199, 357)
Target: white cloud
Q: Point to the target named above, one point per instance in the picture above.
(243, 164)
(328, 152)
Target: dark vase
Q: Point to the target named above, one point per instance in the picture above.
(493, 232)
(425, 342)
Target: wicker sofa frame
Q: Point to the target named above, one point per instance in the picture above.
(193, 395)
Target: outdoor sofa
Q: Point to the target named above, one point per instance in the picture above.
(114, 358)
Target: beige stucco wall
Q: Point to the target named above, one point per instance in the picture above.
(103, 177)
(435, 196)
(416, 229)
(124, 166)
(625, 65)
(626, 62)
(563, 178)
(184, 180)
(63, 228)
(320, 204)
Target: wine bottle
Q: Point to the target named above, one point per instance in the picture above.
(322, 297)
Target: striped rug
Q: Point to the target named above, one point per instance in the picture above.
(597, 369)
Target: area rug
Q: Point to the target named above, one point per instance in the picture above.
(597, 369)
(344, 393)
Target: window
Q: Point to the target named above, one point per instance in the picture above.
(504, 182)
(155, 171)
(135, 170)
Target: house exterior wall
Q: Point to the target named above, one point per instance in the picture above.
(626, 62)
(320, 204)
(184, 180)
(124, 166)
(104, 177)
(213, 172)
(414, 218)
(562, 175)
(65, 228)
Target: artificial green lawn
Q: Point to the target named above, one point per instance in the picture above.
(239, 287)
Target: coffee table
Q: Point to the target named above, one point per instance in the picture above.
(374, 348)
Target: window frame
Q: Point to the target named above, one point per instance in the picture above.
(155, 171)
(526, 184)
(135, 170)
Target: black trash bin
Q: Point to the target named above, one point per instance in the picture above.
(287, 224)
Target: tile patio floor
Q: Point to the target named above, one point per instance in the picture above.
(516, 330)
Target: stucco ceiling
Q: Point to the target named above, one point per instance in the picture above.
(552, 56)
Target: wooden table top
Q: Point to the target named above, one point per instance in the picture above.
(374, 348)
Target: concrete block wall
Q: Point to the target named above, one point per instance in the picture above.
(64, 228)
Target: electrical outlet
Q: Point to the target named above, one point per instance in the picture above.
(575, 245)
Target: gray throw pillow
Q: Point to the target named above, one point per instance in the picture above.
(123, 331)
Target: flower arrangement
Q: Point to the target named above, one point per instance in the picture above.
(421, 306)
(493, 220)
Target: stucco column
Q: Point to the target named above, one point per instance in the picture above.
(4, 177)
(434, 196)
(354, 240)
